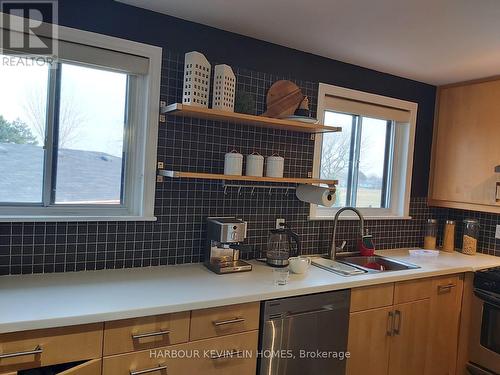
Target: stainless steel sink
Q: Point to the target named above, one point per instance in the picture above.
(376, 263)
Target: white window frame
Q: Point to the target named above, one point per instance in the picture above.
(142, 142)
(402, 168)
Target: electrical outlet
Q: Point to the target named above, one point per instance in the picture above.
(497, 233)
(279, 222)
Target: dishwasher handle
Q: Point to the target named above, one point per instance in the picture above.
(326, 308)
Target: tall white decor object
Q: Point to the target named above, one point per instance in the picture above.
(224, 88)
(196, 79)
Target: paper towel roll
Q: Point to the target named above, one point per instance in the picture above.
(316, 194)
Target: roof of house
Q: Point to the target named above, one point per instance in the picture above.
(82, 176)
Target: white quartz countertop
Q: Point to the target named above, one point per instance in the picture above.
(61, 299)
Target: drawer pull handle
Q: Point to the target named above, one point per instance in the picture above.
(37, 350)
(397, 318)
(151, 334)
(147, 371)
(218, 323)
(231, 354)
(390, 324)
(445, 288)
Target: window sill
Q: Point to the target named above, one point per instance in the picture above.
(367, 217)
(30, 218)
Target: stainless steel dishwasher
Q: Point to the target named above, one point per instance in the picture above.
(305, 335)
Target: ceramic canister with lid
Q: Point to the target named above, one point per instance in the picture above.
(275, 166)
(255, 165)
(233, 163)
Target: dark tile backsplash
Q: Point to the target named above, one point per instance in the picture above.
(488, 221)
(181, 206)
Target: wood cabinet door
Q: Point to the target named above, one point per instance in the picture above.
(465, 147)
(409, 340)
(369, 341)
(444, 322)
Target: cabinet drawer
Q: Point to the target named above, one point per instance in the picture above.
(228, 355)
(224, 320)
(446, 284)
(122, 336)
(44, 347)
(412, 290)
(371, 297)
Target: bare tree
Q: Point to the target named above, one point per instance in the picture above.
(71, 117)
(35, 109)
(335, 154)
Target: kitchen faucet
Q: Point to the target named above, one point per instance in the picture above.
(334, 248)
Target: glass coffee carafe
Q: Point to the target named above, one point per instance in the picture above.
(282, 244)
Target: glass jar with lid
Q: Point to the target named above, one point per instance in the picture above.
(430, 235)
(471, 236)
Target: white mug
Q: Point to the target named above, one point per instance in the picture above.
(299, 265)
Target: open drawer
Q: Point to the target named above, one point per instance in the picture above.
(46, 347)
(92, 367)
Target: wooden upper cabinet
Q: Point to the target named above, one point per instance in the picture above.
(466, 147)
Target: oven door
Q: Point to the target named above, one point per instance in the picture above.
(485, 328)
(473, 369)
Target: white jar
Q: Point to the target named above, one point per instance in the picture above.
(233, 163)
(255, 165)
(275, 166)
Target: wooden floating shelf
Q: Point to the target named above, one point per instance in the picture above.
(178, 109)
(213, 176)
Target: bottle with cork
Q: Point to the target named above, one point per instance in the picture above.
(449, 236)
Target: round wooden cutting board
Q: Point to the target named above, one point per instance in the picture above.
(283, 98)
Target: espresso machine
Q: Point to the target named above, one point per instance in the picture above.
(225, 235)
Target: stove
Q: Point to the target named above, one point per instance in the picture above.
(484, 348)
(488, 280)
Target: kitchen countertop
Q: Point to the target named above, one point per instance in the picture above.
(61, 299)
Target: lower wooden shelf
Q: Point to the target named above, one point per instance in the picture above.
(214, 176)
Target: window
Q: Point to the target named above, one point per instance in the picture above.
(371, 157)
(78, 134)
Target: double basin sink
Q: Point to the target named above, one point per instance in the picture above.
(356, 265)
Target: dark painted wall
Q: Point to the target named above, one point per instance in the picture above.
(120, 20)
